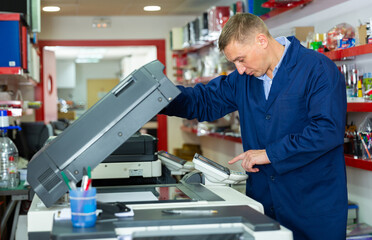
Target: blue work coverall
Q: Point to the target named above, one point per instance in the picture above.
(301, 126)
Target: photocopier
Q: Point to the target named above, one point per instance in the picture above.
(97, 134)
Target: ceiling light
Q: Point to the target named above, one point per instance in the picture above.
(152, 8)
(51, 9)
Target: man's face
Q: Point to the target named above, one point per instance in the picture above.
(247, 57)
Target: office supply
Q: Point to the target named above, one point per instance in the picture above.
(190, 212)
(117, 209)
(72, 185)
(100, 130)
(364, 145)
(83, 208)
(217, 173)
(88, 184)
(89, 172)
(65, 179)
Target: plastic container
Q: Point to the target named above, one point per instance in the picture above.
(83, 208)
(7, 150)
(13, 175)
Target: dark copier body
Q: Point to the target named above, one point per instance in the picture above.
(134, 162)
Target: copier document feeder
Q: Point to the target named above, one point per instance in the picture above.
(100, 131)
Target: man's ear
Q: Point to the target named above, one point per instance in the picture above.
(261, 40)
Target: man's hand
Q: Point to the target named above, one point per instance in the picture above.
(251, 158)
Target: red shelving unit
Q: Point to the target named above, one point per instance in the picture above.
(349, 52)
(358, 163)
(11, 70)
(359, 107)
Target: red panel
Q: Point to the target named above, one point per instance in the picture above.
(10, 70)
(359, 107)
(277, 11)
(24, 47)
(46, 90)
(349, 52)
(158, 43)
(358, 163)
(10, 17)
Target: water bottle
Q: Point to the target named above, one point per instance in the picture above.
(13, 180)
(7, 150)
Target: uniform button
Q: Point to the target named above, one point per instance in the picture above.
(272, 178)
(272, 209)
(268, 117)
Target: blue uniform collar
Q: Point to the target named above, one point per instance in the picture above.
(290, 58)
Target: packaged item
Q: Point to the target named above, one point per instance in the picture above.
(341, 36)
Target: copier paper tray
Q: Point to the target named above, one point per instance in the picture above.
(100, 130)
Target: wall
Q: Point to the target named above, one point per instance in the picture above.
(66, 74)
(84, 71)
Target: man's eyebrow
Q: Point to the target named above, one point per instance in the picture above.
(237, 58)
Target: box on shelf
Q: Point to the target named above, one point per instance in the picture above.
(362, 34)
(13, 47)
(301, 33)
(176, 38)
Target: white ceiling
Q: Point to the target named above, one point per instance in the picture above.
(132, 7)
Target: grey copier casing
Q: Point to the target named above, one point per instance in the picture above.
(100, 130)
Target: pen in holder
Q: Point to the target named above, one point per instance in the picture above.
(83, 207)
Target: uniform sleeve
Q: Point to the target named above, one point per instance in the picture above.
(326, 104)
(204, 102)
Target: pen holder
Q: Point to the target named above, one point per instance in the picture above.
(83, 208)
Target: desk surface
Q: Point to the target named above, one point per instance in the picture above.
(20, 190)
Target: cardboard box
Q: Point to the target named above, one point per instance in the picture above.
(70, 115)
(362, 34)
(301, 33)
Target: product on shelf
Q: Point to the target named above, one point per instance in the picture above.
(341, 36)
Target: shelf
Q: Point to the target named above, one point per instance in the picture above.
(359, 106)
(196, 47)
(11, 70)
(349, 52)
(215, 135)
(277, 11)
(351, 161)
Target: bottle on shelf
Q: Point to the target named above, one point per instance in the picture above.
(13, 179)
(8, 151)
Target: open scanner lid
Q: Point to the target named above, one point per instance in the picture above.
(100, 130)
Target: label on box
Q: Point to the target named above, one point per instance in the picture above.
(12, 63)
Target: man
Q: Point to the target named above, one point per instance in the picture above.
(292, 108)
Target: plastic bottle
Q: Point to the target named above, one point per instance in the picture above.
(13, 180)
(7, 149)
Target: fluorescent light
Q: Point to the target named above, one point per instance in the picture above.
(152, 8)
(51, 9)
(86, 60)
